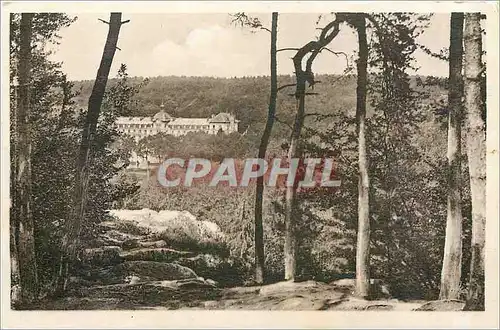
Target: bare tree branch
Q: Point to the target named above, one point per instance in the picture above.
(287, 49)
(285, 86)
(243, 19)
(283, 122)
(319, 114)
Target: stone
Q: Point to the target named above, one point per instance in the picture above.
(442, 305)
(106, 255)
(156, 270)
(153, 244)
(288, 286)
(155, 254)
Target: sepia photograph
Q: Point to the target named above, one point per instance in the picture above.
(237, 156)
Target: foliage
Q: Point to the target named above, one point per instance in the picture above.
(56, 123)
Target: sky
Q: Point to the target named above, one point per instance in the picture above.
(209, 45)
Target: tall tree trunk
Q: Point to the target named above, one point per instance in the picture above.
(264, 142)
(451, 272)
(292, 213)
(13, 218)
(74, 222)
(26, 258)
(363, 236)
(476, 153)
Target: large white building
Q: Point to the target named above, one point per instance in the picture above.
(162, 122)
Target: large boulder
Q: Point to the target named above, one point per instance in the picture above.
(289, 286)
(118, 238)
(156, 270)
(102, 256)
(155, 254)
(442, 306)
(153, 244)
(178, 229)
(378, 289)
(138, 272)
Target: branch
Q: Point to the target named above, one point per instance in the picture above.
(106, 22)
(336, 53)
(285, 86)
(319, 114)
(244, 20)
(307, 93)
(283, 122)
(286, 49)
(325, 39)
(125, 22)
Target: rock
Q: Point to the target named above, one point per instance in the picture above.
(106, 255)
(345, 282)
(211, 282)
(155, 270)
(169, 225)
(118, 238)
(442, 305)
(298, 304)
(202, 264)
(139, 272)
(211, 304)
(154, 244)
(287, 286)
(190, 283)
(379, 307)
(378, 289)
(132, 279)
(155, 254)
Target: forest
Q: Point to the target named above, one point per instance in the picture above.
(407, 222)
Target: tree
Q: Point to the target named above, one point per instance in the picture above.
(363, 240)
(452, 260)
(264, 142)
(476, 154)
(71, 239)
(303, 77)
(255, 23)
(23, 226)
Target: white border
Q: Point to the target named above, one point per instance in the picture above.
(262, 319)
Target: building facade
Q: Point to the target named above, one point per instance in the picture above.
(162, 122)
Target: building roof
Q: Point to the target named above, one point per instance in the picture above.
(132, 120)
(222, 117)
(189, 121)
(162, 116)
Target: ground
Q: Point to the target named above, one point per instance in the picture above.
(162, 295)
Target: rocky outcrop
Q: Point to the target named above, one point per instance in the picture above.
(442, 305)
(378, 289)
(105, 255)
(142, 247)
(156, 254)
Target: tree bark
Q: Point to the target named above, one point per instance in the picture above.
(264, 142)
(74, 222)
(363, 235)
(25, 240)
(476, 154)
(291, 211)
(451, 272)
